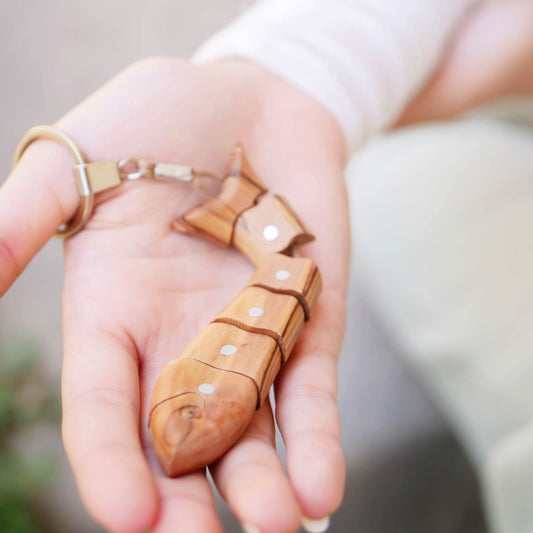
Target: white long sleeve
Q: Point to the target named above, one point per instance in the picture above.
(362, 59)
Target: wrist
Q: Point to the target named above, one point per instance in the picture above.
(270, 98)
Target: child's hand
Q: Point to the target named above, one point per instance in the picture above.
(136, 292)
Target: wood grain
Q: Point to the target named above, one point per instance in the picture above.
(271, 210)
(215, 218)
(282, 316)
(191, 429)
(255, 356)
(204, 399)
(212, 221)
(297, 276)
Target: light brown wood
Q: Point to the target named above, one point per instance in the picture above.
(297, 276)
(238, 165)
(215, 218)
(239, 194)
(258, 310)
(271, 212)
(232, 349)
(190, 428)
(212, 221)
(205, 398)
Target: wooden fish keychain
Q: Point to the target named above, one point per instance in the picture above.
(204, 400)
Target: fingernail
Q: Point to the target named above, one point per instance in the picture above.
(315, 525)
(250, 528)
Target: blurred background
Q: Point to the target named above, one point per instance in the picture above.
(406, 471)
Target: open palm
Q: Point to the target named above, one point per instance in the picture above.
(137, 292)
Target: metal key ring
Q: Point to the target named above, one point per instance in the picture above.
(85, 208)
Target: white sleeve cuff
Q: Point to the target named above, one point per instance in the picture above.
(362, 59)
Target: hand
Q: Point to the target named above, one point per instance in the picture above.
(491, 56)
(136, 293)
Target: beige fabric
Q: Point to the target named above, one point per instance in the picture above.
(443, 243)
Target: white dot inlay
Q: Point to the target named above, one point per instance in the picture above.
(228, 349)
(271, 232)
(282, 275)
(206, 388)
(255, 311)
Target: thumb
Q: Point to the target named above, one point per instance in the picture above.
(35, 200)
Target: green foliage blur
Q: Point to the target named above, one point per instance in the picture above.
(25, 403)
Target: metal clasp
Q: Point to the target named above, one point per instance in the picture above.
(133, 168)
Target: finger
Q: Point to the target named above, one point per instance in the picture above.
(187, 506)
(251, 479)
(306, 411)
(101, 426)
(35, 200)
(490, 57)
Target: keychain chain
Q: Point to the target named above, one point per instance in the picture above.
(134, 168)
(94, 177)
